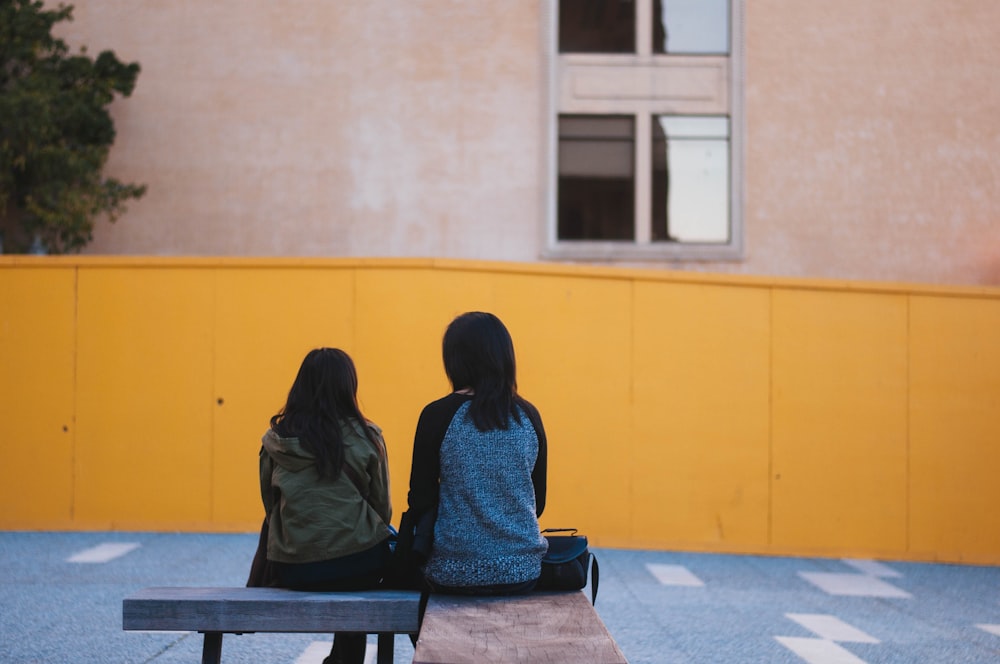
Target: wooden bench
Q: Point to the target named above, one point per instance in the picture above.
(542, 627)
(218, 611)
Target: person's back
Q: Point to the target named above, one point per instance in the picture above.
(486, 531)
(479, 458)
(322, 518)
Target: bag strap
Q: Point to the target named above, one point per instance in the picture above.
(595, 578)
(356, 481)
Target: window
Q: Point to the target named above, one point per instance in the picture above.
(597, 27)
(690, 179)
(647, 130)
(596, 177)
(691, 26)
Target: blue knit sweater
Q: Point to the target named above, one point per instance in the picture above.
(487, 529)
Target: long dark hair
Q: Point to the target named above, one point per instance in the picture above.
(479, 354)
(324, 394)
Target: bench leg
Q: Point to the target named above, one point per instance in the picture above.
(211, 650)
(386, 647)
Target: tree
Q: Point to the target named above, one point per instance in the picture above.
(55, 132)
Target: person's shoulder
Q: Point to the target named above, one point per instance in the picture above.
(450, 402)
(534, 417)
(529, 408)
(350, 428)
(440, 411)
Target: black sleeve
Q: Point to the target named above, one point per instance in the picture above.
(425, 470)
(540, 472)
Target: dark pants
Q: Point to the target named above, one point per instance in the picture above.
(358, 571)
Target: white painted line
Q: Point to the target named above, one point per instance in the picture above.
(831, 628)
(317, 651)
(818, 651)
(857, 585)
(674, 575)
(992, 629)
(103, 553)
(873, 568)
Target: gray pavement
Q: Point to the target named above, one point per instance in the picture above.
(662, 607)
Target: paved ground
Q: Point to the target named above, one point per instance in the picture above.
(61, 593)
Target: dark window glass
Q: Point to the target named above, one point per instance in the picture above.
(597, 26)
(691, 26)
(596, 177)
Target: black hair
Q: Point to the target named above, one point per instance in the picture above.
(479, 355)
(323, 396)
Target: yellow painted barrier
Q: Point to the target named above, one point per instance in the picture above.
(684, 411)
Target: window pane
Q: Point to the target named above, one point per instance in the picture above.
(597, 26)
(690, 179)
(691, 26)
(596, 177)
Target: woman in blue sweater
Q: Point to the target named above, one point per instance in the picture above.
(479, 458)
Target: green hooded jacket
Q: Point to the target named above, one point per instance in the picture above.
(313, 519)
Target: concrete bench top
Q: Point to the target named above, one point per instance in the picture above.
(271, 610)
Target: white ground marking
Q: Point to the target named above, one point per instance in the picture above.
(818, 651)
(102, 553)
(858, 585)
(674, 575)
(318, 650)
(315, 653)
(872, 568)
(992, 629)
(831, 628)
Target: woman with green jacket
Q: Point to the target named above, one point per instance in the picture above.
(325, 487)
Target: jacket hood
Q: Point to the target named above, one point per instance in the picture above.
(287, 452)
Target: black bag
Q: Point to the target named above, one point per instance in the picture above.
(262, 572)
(413, 548)
(565, 565)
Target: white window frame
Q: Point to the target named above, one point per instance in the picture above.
(643, 85)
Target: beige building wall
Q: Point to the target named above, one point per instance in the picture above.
(873, 140)
(382, 128)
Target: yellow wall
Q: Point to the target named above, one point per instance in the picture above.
(683, 411)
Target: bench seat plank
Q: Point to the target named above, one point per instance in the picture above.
(237, 610)
(549, 628)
